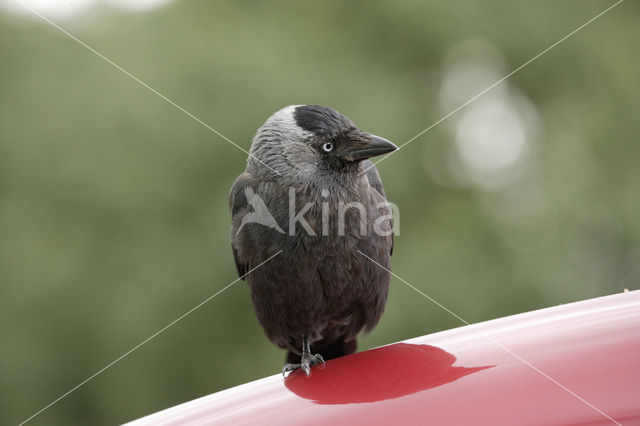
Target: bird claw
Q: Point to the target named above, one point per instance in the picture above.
(289, 367)
(306, 362)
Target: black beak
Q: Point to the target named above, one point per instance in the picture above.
(368, 147)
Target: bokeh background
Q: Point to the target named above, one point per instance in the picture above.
(113, 204)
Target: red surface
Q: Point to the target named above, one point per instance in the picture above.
(565, 365)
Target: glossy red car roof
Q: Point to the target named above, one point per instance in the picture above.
(575, 364)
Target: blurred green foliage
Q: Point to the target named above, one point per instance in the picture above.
(113, 204)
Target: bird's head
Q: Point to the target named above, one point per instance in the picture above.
(307, 140)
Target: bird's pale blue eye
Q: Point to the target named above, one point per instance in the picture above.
(327, 147)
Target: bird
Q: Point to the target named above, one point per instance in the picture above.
(312, 232)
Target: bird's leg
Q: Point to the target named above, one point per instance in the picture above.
(307, 359)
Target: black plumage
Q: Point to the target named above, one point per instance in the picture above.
(319, 290)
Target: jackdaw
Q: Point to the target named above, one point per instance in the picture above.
(311, 202)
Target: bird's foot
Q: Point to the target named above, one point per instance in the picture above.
(305, 364)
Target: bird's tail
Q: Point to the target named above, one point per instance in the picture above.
(328, 350)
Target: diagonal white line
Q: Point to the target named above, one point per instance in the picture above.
(142, 83)
(495, 84)
(145, 341)
(552, 379)
(497, 343)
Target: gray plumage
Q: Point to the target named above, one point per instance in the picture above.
(319, 288)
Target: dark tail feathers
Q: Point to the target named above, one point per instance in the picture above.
(331, 350)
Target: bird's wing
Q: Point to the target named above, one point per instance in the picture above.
(237, 205)
(376, 183)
